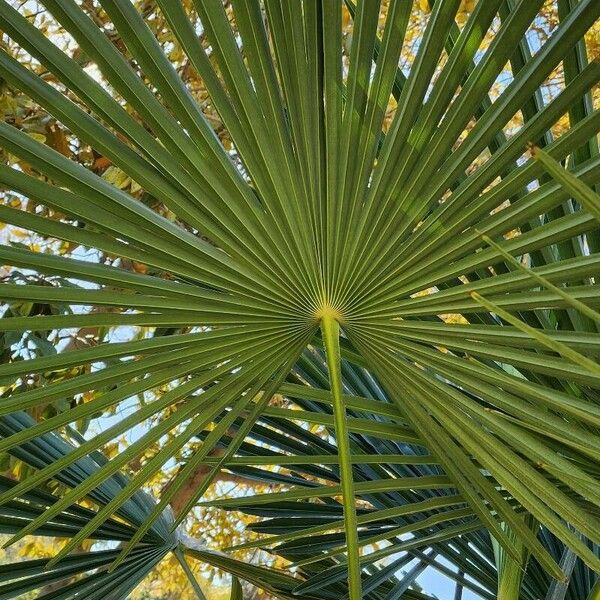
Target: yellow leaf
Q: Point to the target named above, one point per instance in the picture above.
(37, 136)
(135, 187)
(58, 140)
(117, 177)
(8, 105)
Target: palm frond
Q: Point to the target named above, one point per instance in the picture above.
(367, 270)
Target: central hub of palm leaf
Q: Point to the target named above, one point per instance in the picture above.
(326, 310)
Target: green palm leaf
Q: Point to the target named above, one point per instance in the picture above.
(317, 259)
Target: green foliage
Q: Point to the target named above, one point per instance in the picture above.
(361, 292)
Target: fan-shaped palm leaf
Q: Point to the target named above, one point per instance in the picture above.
(295, 264)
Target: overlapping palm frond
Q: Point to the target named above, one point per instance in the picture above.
(318, 260)
(24, 508)
(94, 574)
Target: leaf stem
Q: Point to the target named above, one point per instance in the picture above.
(186, 569)
(331, 334)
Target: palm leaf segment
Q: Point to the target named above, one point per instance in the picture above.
(96, 582)
(320, 221)
(92, 574)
